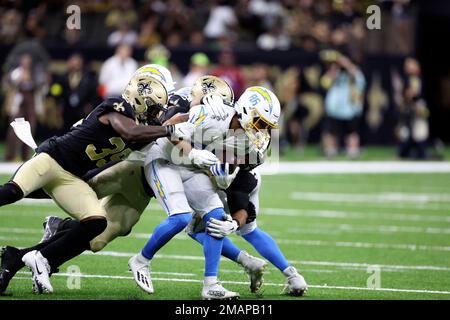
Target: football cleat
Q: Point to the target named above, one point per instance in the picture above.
(140, 267)
(254, 267)
(51, 224)
(40, 271)
(296, 284)
(10, 263)
(216, 291)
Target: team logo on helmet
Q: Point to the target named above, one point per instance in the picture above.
(263, 92)
(144, 89)
(208, 86)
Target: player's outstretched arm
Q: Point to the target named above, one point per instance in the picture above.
(130, 131)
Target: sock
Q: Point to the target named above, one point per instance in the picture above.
(229, 249)
(210, 280)
(10, 193)
(267, 247)
(73, 242)
(212, 247)
(165, 231)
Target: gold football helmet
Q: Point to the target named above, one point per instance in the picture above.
(147, 96)
(212, 84)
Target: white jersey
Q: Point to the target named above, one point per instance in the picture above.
(209, 133)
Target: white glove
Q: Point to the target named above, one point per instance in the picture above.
(183, 130)
(219, 109)
(202, 158)
(219, 228)
(223, 176)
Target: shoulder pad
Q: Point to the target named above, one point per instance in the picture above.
(198, 114)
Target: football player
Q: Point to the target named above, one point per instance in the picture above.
(241, 198)
(124, 195)
(109, 133)
(184, 189)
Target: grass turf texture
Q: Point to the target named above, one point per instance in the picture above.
(320, 233)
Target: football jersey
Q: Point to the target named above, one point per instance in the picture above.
(91, 144)
(209, 134)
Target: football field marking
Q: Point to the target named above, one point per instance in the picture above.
(297, 262)
(101, 276)
(304, 242)
(305, 229)
(287, 212)
(329, 167)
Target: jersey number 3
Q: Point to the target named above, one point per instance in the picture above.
(117, 153)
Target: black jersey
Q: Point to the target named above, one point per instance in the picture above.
(91, 144)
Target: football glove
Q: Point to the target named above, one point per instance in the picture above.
(219, 228)
(222, 175)
(183, 130)
(219, 109)
(202, 158)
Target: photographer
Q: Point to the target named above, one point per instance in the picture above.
(344, 83)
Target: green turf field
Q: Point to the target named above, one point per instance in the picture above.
(332, 227)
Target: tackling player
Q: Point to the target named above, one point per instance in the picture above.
(109, 133)
(183, 189)
(122, 188)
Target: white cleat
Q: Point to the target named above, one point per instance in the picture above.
(216, 291)
(254, 267)
(140, 267)
(296, 284)
(40, 271)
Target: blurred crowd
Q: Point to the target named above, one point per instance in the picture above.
(330, 93)
(270, 24)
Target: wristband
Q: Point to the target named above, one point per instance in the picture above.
(170, 129)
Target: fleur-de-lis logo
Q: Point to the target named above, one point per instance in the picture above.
(118, 106)
(144, 89)
(208, 87)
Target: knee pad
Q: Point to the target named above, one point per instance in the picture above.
(10, 192)
(93, 227)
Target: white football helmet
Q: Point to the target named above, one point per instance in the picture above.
(159, 72)
(259, 111)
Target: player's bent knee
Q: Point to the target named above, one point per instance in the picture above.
(217, 213)
(10, 192)
(94, 226)
(97, 245)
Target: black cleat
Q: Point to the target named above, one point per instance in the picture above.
(51, 225)
(10, 264)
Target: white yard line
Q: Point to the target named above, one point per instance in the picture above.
(383, 229)
(334, 214)
(304, 242)
(287, 212)
(328, 167)
(381, 197)
(355, 167)
(296, 262)
(101, 276)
